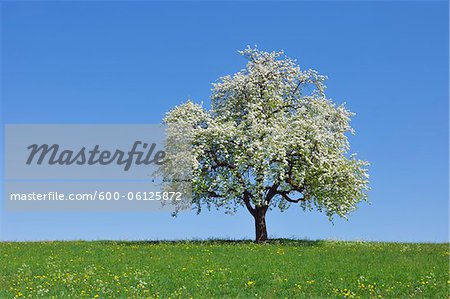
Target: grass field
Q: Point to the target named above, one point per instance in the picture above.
(282, 268)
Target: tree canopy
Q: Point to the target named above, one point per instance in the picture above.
(272, 138)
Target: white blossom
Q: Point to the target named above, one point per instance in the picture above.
(272, 137)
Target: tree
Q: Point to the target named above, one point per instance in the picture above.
(272, 139)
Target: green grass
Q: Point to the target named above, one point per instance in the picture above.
(282, 268)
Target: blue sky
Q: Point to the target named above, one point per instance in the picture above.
(130, 62)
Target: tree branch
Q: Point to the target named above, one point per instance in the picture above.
(272, 191)
(246, 199)
(295, 90)
(216, 195)
(285, 195)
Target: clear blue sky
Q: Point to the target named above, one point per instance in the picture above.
(130, 62)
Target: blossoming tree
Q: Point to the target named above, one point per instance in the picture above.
(271, 139)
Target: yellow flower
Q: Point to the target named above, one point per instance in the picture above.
(250, 284)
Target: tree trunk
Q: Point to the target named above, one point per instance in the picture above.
(260, 224)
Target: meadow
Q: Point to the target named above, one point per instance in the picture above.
(223, 269)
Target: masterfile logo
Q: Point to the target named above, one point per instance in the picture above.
(84, 151)
(52, 154)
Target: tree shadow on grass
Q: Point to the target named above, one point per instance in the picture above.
(279, 241)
